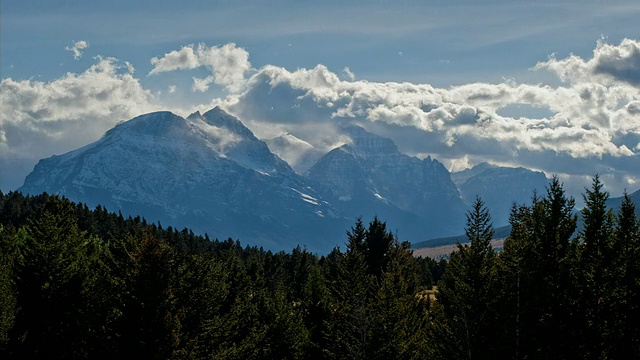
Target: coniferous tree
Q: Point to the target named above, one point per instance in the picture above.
(595, 254)
(147, 320)
(400, 324)
(348, 329)
(624, 338)
(377, 245)
(7, 290)
(534, 269)
(49, 273)
(201, 291)
(466, 289)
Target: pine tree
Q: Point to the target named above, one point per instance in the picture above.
(347, 332)
(146, 325)
(201, 291)
(400, 324)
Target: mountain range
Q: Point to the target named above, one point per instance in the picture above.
(210, 173)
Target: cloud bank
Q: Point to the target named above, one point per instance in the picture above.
(587, 123)
(593, 126)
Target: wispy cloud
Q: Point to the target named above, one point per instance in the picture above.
(77, 48)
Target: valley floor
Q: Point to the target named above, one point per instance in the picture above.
(444, 250)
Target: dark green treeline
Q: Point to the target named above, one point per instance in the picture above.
(81, 283)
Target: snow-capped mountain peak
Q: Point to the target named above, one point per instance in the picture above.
(220, 118)
(207, 172)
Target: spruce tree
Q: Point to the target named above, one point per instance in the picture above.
(400, 324)
(535, 276)
(466, 289)
(623, 339)
(50, 273)
(348, 329)
(8, 299)
(377, 245)
(596, 259)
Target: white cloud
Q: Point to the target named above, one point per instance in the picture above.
(45, 118)
(611, 64)
(77, 47)
(227, 63)
(185, 58)
(202, 85)
(593, 122)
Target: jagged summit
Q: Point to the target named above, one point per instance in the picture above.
(367, 144)
(194, 115)
(220, 118)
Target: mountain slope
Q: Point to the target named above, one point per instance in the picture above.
(207, 172)
(499, 187)
(615, 203)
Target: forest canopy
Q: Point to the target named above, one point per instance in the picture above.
(86, 283)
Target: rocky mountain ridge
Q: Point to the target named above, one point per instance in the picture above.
(210, 173)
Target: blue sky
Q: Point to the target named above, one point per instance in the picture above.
(550, 85)
(441, 42)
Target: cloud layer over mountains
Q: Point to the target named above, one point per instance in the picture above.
(586, 122)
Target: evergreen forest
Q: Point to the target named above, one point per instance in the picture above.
(86, 283)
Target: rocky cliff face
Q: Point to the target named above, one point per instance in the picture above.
(369, 174)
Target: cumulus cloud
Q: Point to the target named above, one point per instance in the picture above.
(185, 58)
(45, 118)
(77, 48)
(593, 120)
(227, 63)
(611, 63)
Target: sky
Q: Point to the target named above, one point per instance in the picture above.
(552, 86)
